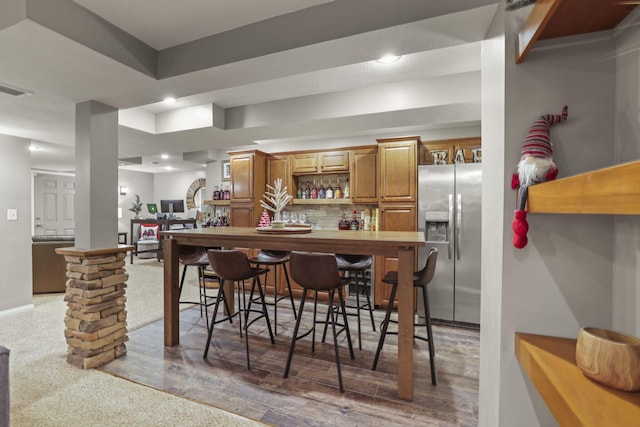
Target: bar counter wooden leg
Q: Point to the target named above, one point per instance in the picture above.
(405, 323)
(171, 293)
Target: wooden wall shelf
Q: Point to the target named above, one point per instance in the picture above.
(217, 202)
(322, 201)
(612, 190)
(558, 18)
(574, 400)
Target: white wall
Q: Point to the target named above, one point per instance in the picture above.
(15, 251)
(626, 273)
(562, 280)
(175, 186)
(140, 183)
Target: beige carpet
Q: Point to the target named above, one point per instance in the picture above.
(46, 391)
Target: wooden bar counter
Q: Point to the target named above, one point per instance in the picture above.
(401, 244)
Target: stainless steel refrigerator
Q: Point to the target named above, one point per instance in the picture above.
(449, 209)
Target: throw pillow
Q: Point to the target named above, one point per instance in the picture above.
(149, 231)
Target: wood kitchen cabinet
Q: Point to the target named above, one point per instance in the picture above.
(430, 152)
(320, 162)
(333, 161)
(393, 217)
(398, 169)
(248, 178)
(304, 163)
(278, 167)
(364, 175)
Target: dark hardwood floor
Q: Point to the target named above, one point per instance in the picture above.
(310, 396)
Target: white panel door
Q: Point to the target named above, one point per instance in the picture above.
(53, 205)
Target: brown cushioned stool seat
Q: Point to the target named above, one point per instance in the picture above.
(318, 272)
(356, 266)
(233, 265)
(275, 258)
(420, 281)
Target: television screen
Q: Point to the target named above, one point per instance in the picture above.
(152, 208)
(172, 206)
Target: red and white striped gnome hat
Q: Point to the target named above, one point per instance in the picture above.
(537, 142)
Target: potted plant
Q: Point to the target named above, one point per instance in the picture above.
(136, 207)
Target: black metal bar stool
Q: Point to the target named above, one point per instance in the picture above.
(275, 258)
(356, 267)
(318, 272)
(233, 265)
(420, 281)
(196, 256)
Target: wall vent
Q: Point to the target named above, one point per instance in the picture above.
(13, 91)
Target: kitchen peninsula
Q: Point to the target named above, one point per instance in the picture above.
(400, 244)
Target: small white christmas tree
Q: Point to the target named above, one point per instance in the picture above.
(278, 199)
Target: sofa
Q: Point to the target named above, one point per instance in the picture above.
(4, 387)
(49, 270)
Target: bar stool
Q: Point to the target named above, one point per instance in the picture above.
(420, 281)
(196, 256)
(356, 266)
(275, 258)
(234, 265)
(318, 272)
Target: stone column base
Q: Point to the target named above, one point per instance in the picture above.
(96, 319)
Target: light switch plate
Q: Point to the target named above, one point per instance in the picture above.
(12, 214)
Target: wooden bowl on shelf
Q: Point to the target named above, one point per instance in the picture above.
(609, 358)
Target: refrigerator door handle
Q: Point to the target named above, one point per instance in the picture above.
(458, 224)
(450, 227)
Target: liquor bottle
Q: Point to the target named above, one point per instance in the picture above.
(307, 191)
(227, 194)
(329, 193)
(338, 192)
(344, 223)
(346, 190)
(355, 225)
(321, 192)
(299, 192)
(314, 191)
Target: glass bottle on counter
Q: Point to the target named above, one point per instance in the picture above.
(321, 192)
(314, 190)
(355, 225)
(346, 190)
(307, 191)
(344, 223)
(338, 192)
(329, 194)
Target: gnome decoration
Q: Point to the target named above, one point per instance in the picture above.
(536, 165)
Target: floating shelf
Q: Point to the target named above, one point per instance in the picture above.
(322, 202)
(559, 18)
(572, 398)
(217, 202)
(612, 190)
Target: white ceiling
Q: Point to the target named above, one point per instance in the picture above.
(283, 71)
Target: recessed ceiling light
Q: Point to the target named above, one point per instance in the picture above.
(170, 100)
(165, 156)
(34, 148)
(388, 59)
(169, 168)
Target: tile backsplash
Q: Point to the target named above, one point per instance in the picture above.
(327, 217)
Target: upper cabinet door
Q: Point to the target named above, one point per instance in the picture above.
(398, 166)
(304, 163)
(364, 175)
(242, 178)
(334, 161)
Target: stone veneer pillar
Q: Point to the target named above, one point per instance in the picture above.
(96, 319)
